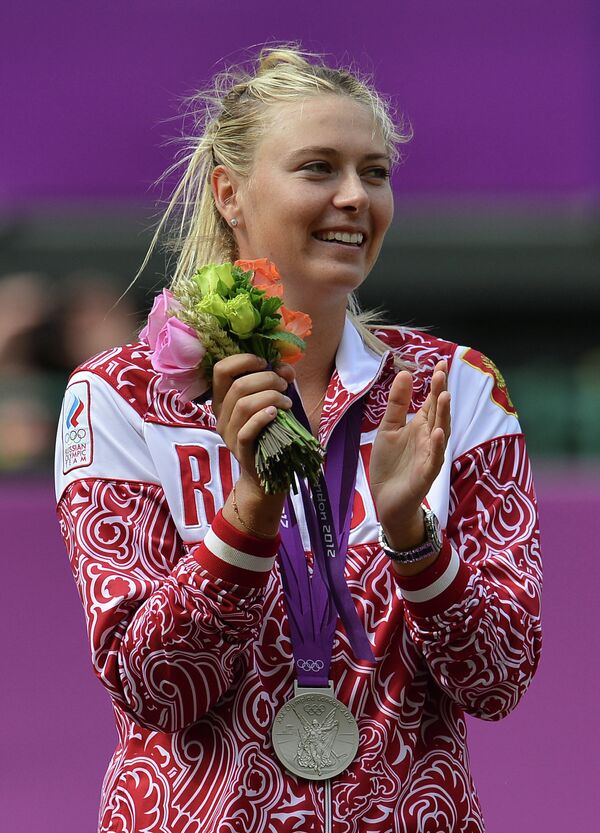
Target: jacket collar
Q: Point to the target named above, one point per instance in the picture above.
(356, 365)
(357, 368)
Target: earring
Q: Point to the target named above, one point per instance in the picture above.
(233, 222)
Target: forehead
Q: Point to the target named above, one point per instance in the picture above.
(333, 121)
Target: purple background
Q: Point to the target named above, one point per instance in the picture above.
(504, 101)
(503, 96)
(536, 770)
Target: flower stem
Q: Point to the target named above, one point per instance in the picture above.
(285, 448)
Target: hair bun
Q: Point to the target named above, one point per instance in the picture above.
(271, 57)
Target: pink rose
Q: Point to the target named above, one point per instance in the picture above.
(159, 315)
(177, 357)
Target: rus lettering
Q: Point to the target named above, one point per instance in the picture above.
(198, 484)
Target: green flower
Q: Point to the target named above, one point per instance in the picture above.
(242, 316)
(213, 304)
(210, 276)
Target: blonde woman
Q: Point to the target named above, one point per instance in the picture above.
(302, 662)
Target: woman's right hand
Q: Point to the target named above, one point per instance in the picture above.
(245, 398)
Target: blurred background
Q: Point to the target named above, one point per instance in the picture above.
(495, 244)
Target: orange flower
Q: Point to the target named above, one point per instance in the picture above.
(266, 276)
(298, 323)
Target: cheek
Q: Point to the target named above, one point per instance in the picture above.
(385, 213)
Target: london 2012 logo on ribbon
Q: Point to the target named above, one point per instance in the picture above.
(77, 437)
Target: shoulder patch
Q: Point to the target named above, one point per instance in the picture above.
(499, 394)
(77, 436)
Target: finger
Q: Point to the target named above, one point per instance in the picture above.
(398, 402)
(253, 383)
(286, 371)
(430, 409)
(228, 369)
(439, 378)
(436, 453)
(244, 409)
(439, 383)
(442, 366)
(443, 414)
(249, 433)
(439, 437)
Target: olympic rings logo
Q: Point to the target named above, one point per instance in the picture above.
(314, 709)
(311, 664)
(75, 434)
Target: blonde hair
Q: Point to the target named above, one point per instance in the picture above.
(229, 120)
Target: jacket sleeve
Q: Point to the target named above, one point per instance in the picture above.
(169, 624)
(475, 613)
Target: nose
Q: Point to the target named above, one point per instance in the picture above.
(351, 194)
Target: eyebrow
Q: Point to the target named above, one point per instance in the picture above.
(325, 151)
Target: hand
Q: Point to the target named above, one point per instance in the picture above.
(245, 399)
(407, 457)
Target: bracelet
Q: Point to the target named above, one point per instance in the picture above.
(412, 556)
(236, 512)
(431, 546)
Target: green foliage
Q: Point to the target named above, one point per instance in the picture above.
(231, 316)
(283, 335)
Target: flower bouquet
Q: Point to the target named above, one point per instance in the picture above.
(220, 311)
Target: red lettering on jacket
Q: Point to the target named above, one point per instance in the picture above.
(359, 512)
(194, 478)
(225, 473)
(365, 453)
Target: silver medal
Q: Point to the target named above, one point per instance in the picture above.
(314, 735)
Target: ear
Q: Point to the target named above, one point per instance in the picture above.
(225, 188)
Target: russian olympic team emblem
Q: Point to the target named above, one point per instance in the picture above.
(77, 435)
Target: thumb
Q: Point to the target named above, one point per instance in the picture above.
(398, 402)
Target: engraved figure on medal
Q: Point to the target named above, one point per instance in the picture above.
(315, 736)
(315, 748)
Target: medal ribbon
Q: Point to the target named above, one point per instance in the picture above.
(314, 601)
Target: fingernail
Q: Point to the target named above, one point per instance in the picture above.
(271, 410)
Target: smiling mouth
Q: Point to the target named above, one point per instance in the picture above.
(352, 241)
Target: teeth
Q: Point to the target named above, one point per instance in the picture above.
(341, 236)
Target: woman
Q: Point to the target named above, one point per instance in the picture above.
(193, 623)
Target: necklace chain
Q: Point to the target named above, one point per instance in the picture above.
(311, 412)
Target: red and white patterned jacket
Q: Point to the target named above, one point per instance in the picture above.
(186, 616)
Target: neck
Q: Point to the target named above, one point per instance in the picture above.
(314, 370)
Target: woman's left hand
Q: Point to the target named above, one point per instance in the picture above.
(407, 457)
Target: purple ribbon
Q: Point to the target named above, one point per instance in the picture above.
(314, 599)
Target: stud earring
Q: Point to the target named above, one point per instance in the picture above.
(233, 222)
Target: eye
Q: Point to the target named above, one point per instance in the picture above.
(378, 173)
(317, 167)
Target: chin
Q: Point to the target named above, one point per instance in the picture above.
(323, 283)
(344, 280)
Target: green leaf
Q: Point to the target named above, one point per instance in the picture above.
(270, 306)
(223, 290)
(283, 335)
(241, 281)
(256, 346)
(238, 272)
(269, 324)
